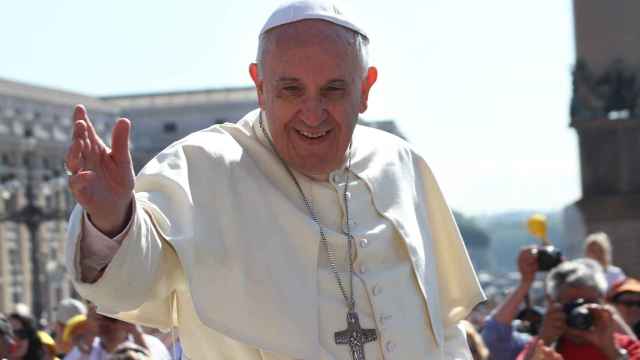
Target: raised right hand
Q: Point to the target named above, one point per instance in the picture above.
(102, 179)
(528, 264)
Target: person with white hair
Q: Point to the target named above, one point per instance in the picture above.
(578, 324)
(597, 246)
(294, 234)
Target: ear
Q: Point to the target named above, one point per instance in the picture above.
(257, 81)
(367, 83)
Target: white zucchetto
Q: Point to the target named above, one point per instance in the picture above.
(293, 11)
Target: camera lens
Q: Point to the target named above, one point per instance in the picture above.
(578, 315)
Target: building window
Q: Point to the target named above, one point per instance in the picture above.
(59, 295)
(170, 128)
(14, 257)
(16, 297)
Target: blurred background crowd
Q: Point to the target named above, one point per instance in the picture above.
(579, 308)
(79, 333)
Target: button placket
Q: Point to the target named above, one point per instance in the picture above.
(390, 346)
(362, 269)
(385, 319)
(377, 290)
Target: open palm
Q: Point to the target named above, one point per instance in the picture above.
(102, 178)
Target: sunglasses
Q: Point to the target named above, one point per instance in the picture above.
(21, 334)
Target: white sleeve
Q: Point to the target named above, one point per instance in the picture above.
(455, 343)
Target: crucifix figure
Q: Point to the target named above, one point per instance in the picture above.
(355, 336)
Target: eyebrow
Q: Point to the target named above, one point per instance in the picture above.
(287, 79)
(336, 82)
(295, 79)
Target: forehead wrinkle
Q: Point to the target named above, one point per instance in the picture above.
(287, 79)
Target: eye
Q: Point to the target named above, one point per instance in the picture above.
(333, 91)
(292, 89)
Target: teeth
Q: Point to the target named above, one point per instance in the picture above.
(312, 136)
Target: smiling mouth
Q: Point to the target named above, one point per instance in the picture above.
(312, 135)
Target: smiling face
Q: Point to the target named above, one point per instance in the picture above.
(312, 88)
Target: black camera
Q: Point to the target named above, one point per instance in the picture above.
(578, 315)
(548, 257)
(529, 320)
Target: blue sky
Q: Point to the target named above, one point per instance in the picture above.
(481, 88)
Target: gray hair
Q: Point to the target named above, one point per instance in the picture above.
(360, 41)
(576, 273)
(601, 239)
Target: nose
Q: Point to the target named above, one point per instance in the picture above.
(314, 111)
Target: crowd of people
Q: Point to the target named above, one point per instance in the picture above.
(81, 333)
(591, 311)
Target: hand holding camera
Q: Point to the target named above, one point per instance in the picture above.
(554, 323)
(594, 323)
(548, 256)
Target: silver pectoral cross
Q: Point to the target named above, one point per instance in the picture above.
(355, 336)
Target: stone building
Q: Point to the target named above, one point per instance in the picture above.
(35, 128)
(158, 119)
(605, 112)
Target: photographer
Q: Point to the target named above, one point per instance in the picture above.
(503, 341)
(577, 325)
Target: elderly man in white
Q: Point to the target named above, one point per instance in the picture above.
(293, 234)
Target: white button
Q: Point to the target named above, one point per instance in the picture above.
(347, 195)
(364, 243)
(362, 268)
(377, 290)
(390, 346)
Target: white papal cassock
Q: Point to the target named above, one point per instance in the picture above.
(221, 246)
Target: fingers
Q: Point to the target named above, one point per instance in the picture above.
(80, 114)
(528, 261)
(120, 142)
(92, 147)
(541, 352)
(603, 316)
(554, 323)
(73, 158)
(545, 353)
